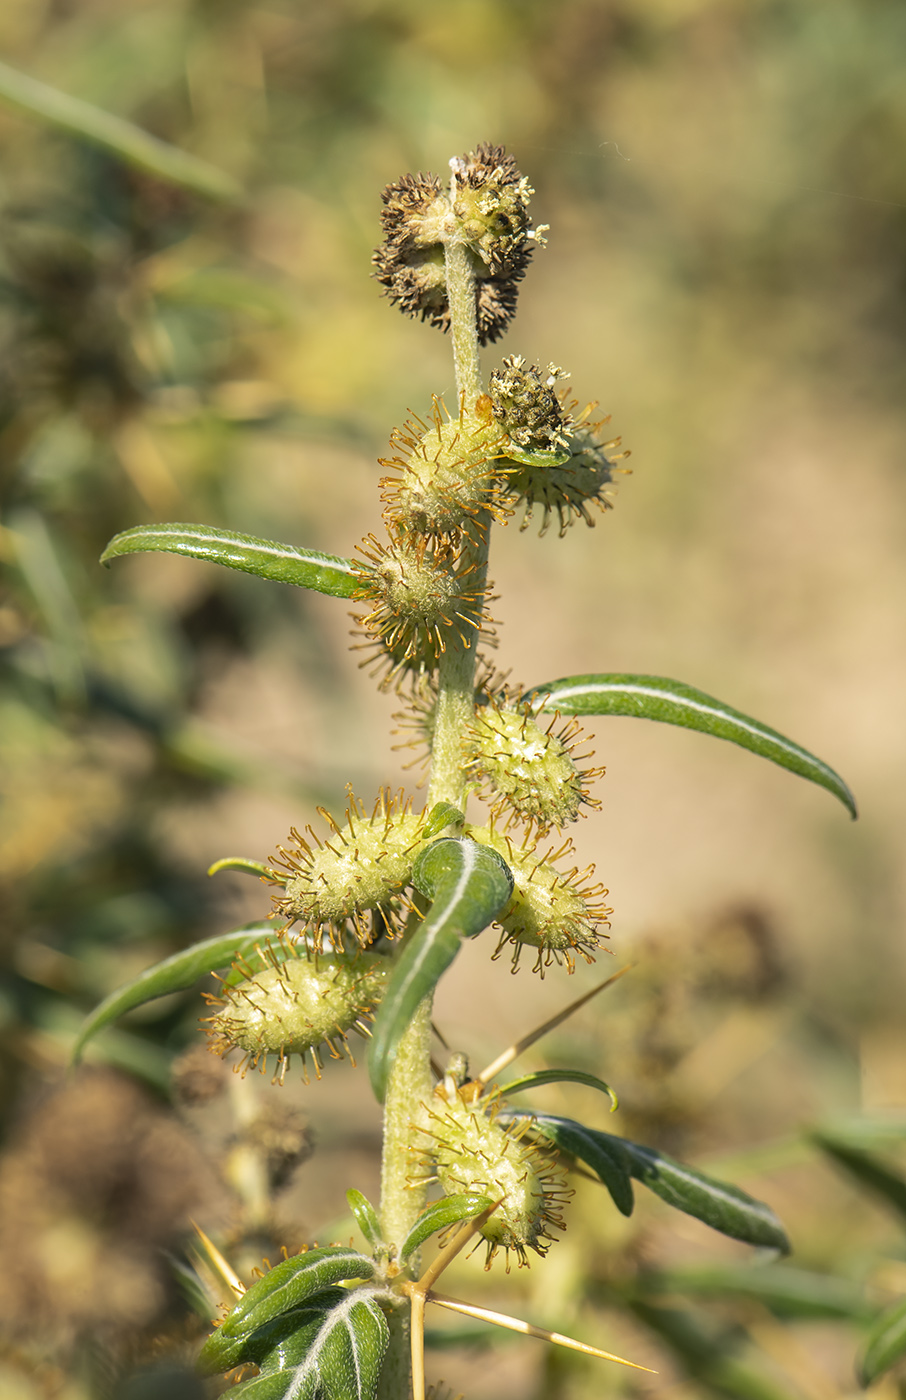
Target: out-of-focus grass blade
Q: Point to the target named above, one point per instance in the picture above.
(674, 702)
(284, 563)
(786, 1291)
(174, 974)
(886, 1344)
(708, 1355)
(114, 134)
(866, 1169)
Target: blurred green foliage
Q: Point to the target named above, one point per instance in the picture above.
(726, 189)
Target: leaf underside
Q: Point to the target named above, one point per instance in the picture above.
(440, 1215)
(724, 1207)
(468, 885)
(283, 563)
(174, 974)
(674, 702)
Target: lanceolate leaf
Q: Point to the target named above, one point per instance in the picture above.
(468, 885)
(349, 1350)
(366, 1216)
(673, 702)
(286, 563)
(174, 974)
(286, 1288)
(724, 1207)
(886, 1343)
(558, 1076)
(285, 1340)
(439, 1216)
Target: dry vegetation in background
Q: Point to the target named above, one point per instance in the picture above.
(726, 272)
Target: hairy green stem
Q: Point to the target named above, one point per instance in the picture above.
(455, 706)
(463, 322)
(456, 671)
(409, 1084)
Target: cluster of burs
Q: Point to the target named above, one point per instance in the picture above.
(345, 897)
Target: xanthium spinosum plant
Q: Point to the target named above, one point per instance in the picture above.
(371, 908)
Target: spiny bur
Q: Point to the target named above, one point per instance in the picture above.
(557, 912)
(295, 1006)
(466, 1150)
(355, 881)
(527, 772)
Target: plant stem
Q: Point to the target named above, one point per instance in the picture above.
(455, 707)
(456, 671)
(409, 1084)
(463, 327)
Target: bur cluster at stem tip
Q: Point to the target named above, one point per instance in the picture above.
(486, 208)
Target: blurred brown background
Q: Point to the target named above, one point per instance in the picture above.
(725, 272)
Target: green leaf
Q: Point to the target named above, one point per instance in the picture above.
(673, 702)
(130, 143)
(558, 1076)
(285, 563)
(468, 885)
(349, 1350)
(340, 1358)
(286, 1340)
(724, 1207)
(885, 1344)
(284, 1289)
(439, 1216)
(866, 1169)
(552, 457)
(599, 1151)
(786, 1291)
(174, 974)
(442, 815)
(366, 1216)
